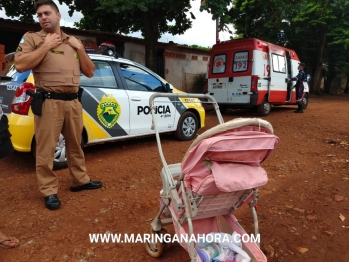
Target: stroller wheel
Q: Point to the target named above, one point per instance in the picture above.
(166, 245)
(154, 249)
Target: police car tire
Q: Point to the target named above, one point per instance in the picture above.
(264, 108)
(59, 165)
(187, 118)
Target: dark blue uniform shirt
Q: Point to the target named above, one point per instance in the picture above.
(300, 78)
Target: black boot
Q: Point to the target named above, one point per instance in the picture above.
(300, 108)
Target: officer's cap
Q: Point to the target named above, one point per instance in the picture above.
(301, 64)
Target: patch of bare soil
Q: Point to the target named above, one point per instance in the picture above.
(303, 209)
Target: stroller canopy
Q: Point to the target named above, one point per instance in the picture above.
(227, 157)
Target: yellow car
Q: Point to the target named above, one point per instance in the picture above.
(116, 106)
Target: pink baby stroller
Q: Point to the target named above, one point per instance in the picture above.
(220, 172)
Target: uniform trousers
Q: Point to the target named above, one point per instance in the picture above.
(299, 92)
(57, 117)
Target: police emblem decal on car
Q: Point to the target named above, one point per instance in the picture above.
(108, 111)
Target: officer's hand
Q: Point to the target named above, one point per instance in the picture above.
(53, 40)
(75, 43)
(287, 80)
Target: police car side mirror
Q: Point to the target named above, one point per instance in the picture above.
(168, 88)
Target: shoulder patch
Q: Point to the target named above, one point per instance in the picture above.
(22, 40)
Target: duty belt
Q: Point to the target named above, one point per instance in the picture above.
(59, 96)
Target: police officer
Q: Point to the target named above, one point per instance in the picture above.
(56, 60)
(300, 78)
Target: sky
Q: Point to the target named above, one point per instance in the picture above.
(202, 33)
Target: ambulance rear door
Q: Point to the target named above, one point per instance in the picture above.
(239, 84)
(277, 90)
(218, 80)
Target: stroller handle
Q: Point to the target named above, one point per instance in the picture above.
(188, 95)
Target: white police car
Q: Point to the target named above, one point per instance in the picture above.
(115, 106)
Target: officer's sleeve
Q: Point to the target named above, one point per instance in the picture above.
(26, 45)
(299, 76)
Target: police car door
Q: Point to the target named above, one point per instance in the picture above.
(277, 85)
(141, 85)
(105, 103)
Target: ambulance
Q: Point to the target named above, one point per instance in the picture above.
(253, 73)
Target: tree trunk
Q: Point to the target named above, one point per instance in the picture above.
(151, 36)
(317, 77)
(346, 89)
(328, 84)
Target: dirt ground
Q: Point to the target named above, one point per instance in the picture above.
(303, 209)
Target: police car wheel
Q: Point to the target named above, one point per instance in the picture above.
(264, 108)
(305, 101)
(60, 157)
(187, 126)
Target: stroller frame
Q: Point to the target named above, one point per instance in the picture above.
(190, 203)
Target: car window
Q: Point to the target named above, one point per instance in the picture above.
(102, 77)
(16, 76)
(140, 80)
(218, 66)
(279, 63)
(240, 63)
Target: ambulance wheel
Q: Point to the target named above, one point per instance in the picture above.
(154, 249)
(305, 101)
(222, 108)
(264, 108)
(60, 158)
(187, 126)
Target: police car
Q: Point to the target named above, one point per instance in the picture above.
(115, 107)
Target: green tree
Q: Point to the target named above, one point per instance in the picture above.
(314, 28)
(23, 9)
(219, 10)
(152, 17)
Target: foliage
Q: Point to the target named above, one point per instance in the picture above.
(152, 17)
(316, 29)
(22, 9)
(201, 47)
(219, 10)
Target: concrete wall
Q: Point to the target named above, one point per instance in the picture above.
(182, 68)
(135, 52)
